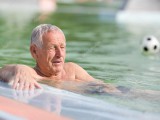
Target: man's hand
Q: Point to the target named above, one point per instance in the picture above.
(21, 77)
(24, 83)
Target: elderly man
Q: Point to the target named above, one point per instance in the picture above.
(48, 48)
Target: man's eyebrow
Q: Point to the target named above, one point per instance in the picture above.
(51, 45)
(54, 45)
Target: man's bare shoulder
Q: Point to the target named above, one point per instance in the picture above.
(16, 66)
(25, 67)
(70, 65)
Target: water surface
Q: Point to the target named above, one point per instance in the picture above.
(107, 50)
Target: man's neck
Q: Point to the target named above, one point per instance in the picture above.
(54, 76)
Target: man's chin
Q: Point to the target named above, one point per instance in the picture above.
(58, 68)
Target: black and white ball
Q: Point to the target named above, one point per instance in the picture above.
(150, 45)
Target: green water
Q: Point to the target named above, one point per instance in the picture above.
(107, 50)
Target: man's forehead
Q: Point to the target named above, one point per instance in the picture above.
(52, 39)
(54, 35)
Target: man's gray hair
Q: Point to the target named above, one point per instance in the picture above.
(39, 31)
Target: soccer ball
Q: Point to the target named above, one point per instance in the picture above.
(150, 45)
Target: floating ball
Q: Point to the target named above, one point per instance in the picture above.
(150, 45)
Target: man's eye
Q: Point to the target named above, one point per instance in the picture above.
(52, 48)
(63, 46)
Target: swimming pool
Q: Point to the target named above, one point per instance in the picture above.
(107, 50)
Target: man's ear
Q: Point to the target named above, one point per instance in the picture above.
(33, 50)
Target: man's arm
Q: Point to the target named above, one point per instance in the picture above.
(6, 73)
(94, 85)
(21, 77)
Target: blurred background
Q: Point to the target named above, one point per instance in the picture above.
(103, 36)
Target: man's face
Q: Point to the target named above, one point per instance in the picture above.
(51, 57)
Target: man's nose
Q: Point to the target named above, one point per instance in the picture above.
(58, 52)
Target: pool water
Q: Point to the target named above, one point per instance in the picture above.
(107, 50)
